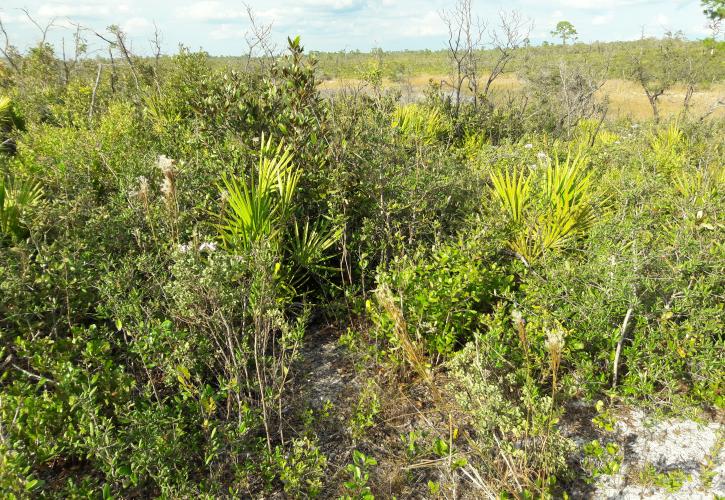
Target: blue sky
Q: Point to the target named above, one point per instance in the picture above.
(218, 26)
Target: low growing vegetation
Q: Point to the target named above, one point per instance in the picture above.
(175, 239)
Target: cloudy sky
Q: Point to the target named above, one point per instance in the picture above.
(218, 26)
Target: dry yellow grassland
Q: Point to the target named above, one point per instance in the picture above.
(626, 98)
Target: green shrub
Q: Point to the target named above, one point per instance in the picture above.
(445, 294)
(162, 261)
(302, 470)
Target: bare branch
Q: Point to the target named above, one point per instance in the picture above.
(156, 45)
(258, 36)
(464, 37)
(622, 338)
(120, 44)
(8, 51)
(660, 76)
(511, 33)
(34, 375)
(80, 46)
(719, 103)
(93, 95)
(578, 88)
(43, 29)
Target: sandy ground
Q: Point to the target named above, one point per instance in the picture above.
(670, 445)
(693, 450)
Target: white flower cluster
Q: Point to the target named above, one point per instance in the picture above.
(142, 193)
(517, 317)
(554, 340)
(206, 246)
(165, 164)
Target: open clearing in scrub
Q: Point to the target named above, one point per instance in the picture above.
(655, 456)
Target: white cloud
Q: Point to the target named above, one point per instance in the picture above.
(67, 10)
(662, 20)
(334, 4)
(11, 18)
(701, 29)
(227, 32)
(429, 24)
(337, 24)
(80, 9)
(603, 19)
(209, 10)
(600, 4)
(137, 26)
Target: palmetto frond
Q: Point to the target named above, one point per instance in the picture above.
(309, 244)
(668, 146)
(16, 197)
(568, 190)
(419, 123)
(700, 184)
(258, 207)
(9, 120)
(512, 191)
(5, 110)
(567, 212)
(262, 208)
(566, 183)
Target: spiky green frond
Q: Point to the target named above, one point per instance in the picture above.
(566, 211)
(420, 124)
(512, 191)
(262, 208)
(257, 207)
(16, 197)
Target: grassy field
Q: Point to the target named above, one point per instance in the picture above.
(626, 98)
(409, 72)
(615, 56)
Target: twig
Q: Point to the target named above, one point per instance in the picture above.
(7, 52)
(93, 94)
(622, 337)
(43, 30)
(508, 463)
(35, 376)
(425, 463)
(477, 480)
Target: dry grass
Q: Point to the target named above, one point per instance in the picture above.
(626, 98)
(412, 352)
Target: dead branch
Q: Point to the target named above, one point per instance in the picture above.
(458, 21)
(93, 94)
(512, 32)
(258, 36)
(8, 51)
(120, 44)
(622, 338)
(43, 29)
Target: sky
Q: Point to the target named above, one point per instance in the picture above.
(218, 26)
